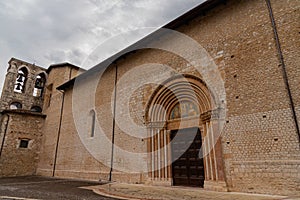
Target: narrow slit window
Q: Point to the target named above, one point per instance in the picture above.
(93, 120)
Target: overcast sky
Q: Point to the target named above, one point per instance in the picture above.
(48, 32)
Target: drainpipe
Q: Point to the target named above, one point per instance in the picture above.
(5, 131)
(284, 73)
(59, 126)
(113, 128)
(59, 131)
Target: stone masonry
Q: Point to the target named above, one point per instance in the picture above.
(260, 146)
(257, 150)
(16, 127)
(26, 98)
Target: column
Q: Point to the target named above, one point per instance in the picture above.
(158, 154)
(214, 179)
(214, 152)
(209, 147)
(165, 155)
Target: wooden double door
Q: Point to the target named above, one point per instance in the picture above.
(187, 166)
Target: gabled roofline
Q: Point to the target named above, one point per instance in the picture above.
(24, 62)
(201, 9)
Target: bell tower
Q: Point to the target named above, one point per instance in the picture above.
(23, 87)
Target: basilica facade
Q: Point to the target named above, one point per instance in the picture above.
(209, 100)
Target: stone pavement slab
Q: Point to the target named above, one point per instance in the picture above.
(145, 192)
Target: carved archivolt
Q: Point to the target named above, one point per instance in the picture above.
(180, 97)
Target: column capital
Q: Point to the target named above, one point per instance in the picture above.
(159, 125)
(211, 115)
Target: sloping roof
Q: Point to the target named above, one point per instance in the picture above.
(201, 9)
(62, 65)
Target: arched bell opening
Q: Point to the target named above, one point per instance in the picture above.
(21, 80)
(40, 81)
(184, 106)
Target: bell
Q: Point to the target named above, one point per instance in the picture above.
(19, 86)
(20, 78)
(39, 84)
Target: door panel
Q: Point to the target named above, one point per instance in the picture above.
(188, 169)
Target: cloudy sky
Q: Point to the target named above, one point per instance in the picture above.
(48, 32)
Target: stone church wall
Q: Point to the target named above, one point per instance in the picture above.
(73, 159)
(260, 144)
(52, 108)
(17, 160)
(259, 133)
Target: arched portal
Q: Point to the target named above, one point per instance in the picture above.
(181, 117)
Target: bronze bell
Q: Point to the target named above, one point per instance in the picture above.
(20, 78)
(19, 86)
(39, 83)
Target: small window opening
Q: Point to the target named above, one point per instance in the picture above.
(36, 109)
(15, 106)
(21, 80)
(24, 143)
(39, 85)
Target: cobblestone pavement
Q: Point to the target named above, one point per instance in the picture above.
(34, 187)
(131, 191)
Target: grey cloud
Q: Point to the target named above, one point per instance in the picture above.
(56, 55)
(47, 32)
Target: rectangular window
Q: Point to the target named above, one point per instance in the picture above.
(24, 143)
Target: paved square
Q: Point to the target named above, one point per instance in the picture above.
(34, 187)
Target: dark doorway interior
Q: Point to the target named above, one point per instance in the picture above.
(188, 169)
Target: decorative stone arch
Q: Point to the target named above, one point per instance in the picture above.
(42, 72)
(178, 91)
(24, 66)
(178, 88)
